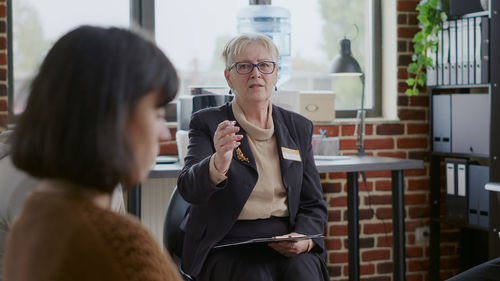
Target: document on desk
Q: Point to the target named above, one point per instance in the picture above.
(243, 241)
(330, 157)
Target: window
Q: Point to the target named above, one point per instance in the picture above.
(36, 25)
(193, 32)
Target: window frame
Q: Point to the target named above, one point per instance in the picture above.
(142, 14)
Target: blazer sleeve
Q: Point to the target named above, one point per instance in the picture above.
(193, 182)
(312, 212)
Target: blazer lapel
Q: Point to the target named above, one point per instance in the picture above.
(243, 154)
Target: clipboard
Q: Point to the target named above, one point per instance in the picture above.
(243, 241)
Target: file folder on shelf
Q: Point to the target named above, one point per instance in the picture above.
(479, 199)
(453, 52)
(471, 39)
(441, 123)
(483, 64)
(460, 52)
(456, 190)
(446, 53)
(465, 51)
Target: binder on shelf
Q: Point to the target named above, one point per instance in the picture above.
(456, 190)
(479, 199)
(439, 62)
(441, 123)
(484, 56)
(431, 72)
(465, 51)
(453, 52)
(471, 51)
(460, 60)
(446, 53)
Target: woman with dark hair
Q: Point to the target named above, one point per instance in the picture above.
(94, 118)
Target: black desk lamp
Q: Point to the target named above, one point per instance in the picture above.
(345, 64)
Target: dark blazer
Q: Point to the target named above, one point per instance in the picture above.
(215, 209)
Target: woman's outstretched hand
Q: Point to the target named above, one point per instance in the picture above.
(225, 141)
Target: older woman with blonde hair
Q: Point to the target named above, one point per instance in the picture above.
(249, 173)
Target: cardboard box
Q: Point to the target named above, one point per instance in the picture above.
(318, 106)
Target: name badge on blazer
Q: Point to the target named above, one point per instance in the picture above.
(291, 154)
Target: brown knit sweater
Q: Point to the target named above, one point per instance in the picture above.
(61, 237)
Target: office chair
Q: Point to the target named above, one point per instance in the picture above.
(173, 236)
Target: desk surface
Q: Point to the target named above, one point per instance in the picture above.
(351, 164)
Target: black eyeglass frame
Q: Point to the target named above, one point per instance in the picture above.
(253, 66)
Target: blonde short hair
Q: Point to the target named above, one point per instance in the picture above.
(236, 45)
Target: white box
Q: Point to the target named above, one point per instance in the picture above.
(288, 100)
(318, 106)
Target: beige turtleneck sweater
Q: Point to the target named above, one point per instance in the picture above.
(268, 198)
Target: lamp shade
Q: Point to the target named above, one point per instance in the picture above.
(345, 64)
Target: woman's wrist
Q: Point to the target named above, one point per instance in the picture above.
(223, 172)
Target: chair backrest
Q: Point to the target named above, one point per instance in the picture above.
(173, 236)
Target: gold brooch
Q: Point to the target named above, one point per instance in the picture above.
(241, 156)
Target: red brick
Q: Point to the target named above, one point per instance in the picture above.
(333, 244)
(367, 242)
(334, 215)
(449, 263)
(368, 130)
(414, 277)
(390, 129)
(375, 255)
(168, 149)
(2, 27)
(384, 241)
(338, 230)
(412, 19)
(3, 105)
(407, 32)
(364, 214)
(2, 11)
(418, 265)
(331, 187)
(419, 172)
(331, 131)
(403, 100)
(402, 19)
(412, 142)
(418, 212)
(379, 199)
(404, 60)
(3, 59)
(348, 130)
(446, 250)
(384, 267)
(395, 154)
(3, 90)
(337, 257)
(420, 184)
(420, 100)
(383, 185)
(417, 128)
(372, 228)
(411, 114)
(3, 74)
(347, 144)
(415, 199)
(378, 174)
(419, 155)
(3, 120)
(384, 213)
(402, 46)
(402, 73)
(341, 175)
(3, 43)
(414, 252)
(379, 143)
(338, 201)
(408, 6)
(367, 269)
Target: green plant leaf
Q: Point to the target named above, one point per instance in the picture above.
(410, 81)
(412, 68)
(409, 92)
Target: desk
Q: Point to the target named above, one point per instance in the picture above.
(352, 166)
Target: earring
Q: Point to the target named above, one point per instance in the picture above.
(230, 93)
(275, 88)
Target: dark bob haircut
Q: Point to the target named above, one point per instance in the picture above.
(74, 125)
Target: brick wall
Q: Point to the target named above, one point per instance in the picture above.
(3, 66)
